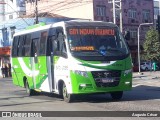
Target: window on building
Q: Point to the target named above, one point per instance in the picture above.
(156, 11)
(133, 33)
(146, 14)
(10, 16)
(101, 10)
(132, 13)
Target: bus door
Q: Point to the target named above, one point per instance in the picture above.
(35, 65)
(50, 58)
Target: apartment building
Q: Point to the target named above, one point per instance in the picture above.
(11, 9)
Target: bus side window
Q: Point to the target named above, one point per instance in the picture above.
(51, 45)
(61, 46)
(15, 46)
(43, 41)
(20, 46)
(27, 45)
(34, 47)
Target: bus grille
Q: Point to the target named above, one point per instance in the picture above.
(106, 78)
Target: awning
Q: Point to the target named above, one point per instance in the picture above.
(5, 51)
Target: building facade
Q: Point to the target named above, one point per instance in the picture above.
(11, 9)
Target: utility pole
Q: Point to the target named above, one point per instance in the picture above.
(139, 61)
(36, 12)
(114, 12)
(117, 4)
(121, 19)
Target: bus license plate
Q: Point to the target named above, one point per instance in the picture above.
(107, 80)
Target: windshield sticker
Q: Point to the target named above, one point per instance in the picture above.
(88, 31)
(79, 48)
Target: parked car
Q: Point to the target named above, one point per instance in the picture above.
(146, 66)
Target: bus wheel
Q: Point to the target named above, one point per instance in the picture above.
(117, 95)
(29, 91)
(66, 96)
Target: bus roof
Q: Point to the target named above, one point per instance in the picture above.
(68, 23)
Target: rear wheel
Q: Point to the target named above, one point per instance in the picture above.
(66, 96)
(117, 95)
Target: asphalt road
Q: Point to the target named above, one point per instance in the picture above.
(145, 96)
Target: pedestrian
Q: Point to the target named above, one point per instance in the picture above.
(154, 66)
(3, 70)
(6, 71)
(9, 69)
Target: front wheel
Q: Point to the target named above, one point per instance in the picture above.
(117, 95)
(66, 96)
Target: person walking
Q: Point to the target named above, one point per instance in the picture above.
(6, 71)
(3, 70)
(9, 69)
(154, 66)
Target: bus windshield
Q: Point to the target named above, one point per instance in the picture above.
(105, 42)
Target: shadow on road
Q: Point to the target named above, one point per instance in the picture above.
(136, 94)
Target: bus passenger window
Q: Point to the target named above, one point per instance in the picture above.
(34, 48)
(43, 40)
(20, 46)
(15, 46)
(27, 45)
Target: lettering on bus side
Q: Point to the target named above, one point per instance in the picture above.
(58, 67)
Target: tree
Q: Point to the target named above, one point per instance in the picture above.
(152, 46)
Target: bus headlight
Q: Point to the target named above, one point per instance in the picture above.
(126, 72)
(82, 73)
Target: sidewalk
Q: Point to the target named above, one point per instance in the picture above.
(148, 74)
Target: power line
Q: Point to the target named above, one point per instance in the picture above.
(69, 7)
(61, 4)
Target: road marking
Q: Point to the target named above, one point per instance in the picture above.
(136, 85)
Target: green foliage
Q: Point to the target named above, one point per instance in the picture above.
(152, 46)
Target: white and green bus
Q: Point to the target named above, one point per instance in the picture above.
(71, 58)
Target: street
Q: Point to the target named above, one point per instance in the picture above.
(145, 96)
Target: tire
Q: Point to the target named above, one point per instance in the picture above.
(29, 91)
(66, 96)
(117, 95)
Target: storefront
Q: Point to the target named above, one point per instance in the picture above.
(4, 57)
